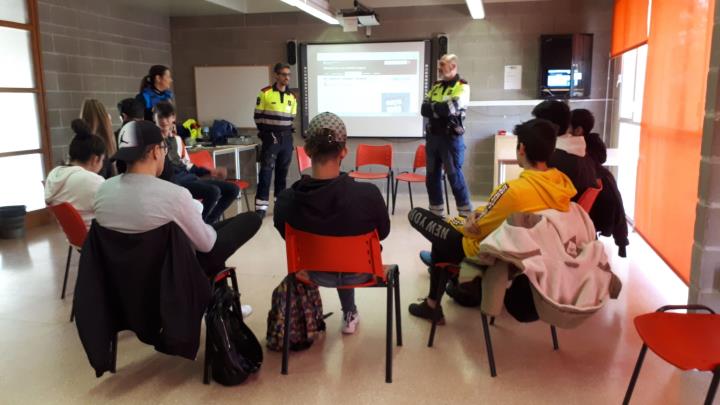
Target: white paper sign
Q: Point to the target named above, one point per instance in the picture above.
(513, 77)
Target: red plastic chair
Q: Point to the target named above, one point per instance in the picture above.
(420, 162)
(303, 159)
(345, 254)
(587, 199)
(203, 159)
(374, 155)
(687, 341)
(75, 231)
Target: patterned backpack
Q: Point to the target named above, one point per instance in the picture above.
(306, 316)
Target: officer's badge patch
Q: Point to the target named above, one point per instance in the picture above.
(257, 102)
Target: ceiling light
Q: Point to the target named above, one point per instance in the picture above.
(317, 8)
(477, 11)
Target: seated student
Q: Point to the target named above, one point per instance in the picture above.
(538, 188)
(216, 195)
(130, 109)
(138, 201)
(78, 182)
(328, 202)
(608, 212)
(570, 155)
(95, 115)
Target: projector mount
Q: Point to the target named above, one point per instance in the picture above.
(358, 16)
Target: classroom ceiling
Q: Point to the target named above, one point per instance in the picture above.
(219, 7)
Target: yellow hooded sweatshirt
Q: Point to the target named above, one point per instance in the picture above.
(533, 191)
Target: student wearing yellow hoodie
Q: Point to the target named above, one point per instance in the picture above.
(538, 188)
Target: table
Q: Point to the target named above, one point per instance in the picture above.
(235, 150)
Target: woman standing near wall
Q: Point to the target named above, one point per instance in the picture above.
(154, 88)
(95, 115)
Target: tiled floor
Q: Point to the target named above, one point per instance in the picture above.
(43, 362)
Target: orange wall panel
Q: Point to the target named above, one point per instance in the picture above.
(629, 25)
(673, 109)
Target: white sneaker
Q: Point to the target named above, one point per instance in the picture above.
(246, 310)
(350, 322)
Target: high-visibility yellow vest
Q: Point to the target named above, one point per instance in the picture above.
(275, 110)
(446, 101)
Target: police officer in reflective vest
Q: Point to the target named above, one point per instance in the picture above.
(274, 114)
(445, 106)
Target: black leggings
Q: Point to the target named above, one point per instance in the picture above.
(231, 234)
(446, 242)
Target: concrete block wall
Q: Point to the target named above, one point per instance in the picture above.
(95, 49)
(705, 266)
(508, 36)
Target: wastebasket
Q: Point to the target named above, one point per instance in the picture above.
(12, 222)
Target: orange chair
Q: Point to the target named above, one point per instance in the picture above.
(687, 341)
(203, 159)
(75, 231)
(346, 254)
(587, 199)
(374, 155)
(303, 159)
(419, 163)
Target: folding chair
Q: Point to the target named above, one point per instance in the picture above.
(587, 199)
(374, 155)
(203, 159)
(75, 231)
(687, 341)
(345, 254)
(303, 159)
(419, 162)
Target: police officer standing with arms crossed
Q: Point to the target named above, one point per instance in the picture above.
(445, 106)
(275, 111)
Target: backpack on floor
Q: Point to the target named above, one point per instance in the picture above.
(235, 352)
(306, 316)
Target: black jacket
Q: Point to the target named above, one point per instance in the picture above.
(608, 212)
(580, 169)
(150, 283)
(336, 207)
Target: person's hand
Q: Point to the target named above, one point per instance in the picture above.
(471, 227)
(219, 172)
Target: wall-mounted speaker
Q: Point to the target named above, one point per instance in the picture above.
(291, 53)
(442, 41)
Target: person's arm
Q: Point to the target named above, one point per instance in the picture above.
(456, 105)
(188, 218)
(501, 205)
(426, 107)
(260, 112)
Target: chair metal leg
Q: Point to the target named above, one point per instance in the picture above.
(387, 193)
(67, 270)
(447, 199)
(410, 194)
(114, 354)
(72, 312)
(206, 364)
(247, 201)
(388, 331)
(398, 321)
(636, 372)
(286, 328)
(436, 312)
(394, 196)
(553, 333)
(492, 320)
(488, 346)
(713, 387)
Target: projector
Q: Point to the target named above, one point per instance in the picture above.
(358, 16)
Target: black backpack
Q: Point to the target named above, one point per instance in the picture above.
(235, 352)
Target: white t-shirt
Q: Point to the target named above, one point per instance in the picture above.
(135, 203)
(74, 185)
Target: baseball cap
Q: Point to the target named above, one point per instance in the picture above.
(328, 120)
(134, 137)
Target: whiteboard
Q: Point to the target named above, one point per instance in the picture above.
(229, 93)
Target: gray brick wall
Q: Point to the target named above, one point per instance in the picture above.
(509, 35)
(705, 267)
(95, 49)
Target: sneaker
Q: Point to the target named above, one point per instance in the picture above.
(426, 257)
(246, 310)
(261, 213)
(350, 322)
(423, 310)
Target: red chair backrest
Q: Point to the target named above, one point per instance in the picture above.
(342, 254)
(303, 159)
(420, 158)
(202, 158)
(587, 199)
(71, 223)
(374, 155)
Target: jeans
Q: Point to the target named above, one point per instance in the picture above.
(446, 242)
(347, 295)
(231, 234)
(216, 196)
(273, 157)
(448, 152)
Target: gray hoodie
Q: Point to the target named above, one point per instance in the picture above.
(74, 185)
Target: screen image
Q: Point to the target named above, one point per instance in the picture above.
(558, 78)
(376, 88)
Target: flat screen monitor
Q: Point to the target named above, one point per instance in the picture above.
(558, 78)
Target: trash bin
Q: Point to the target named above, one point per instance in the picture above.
(12, 222)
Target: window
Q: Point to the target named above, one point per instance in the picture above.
(24, 144)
